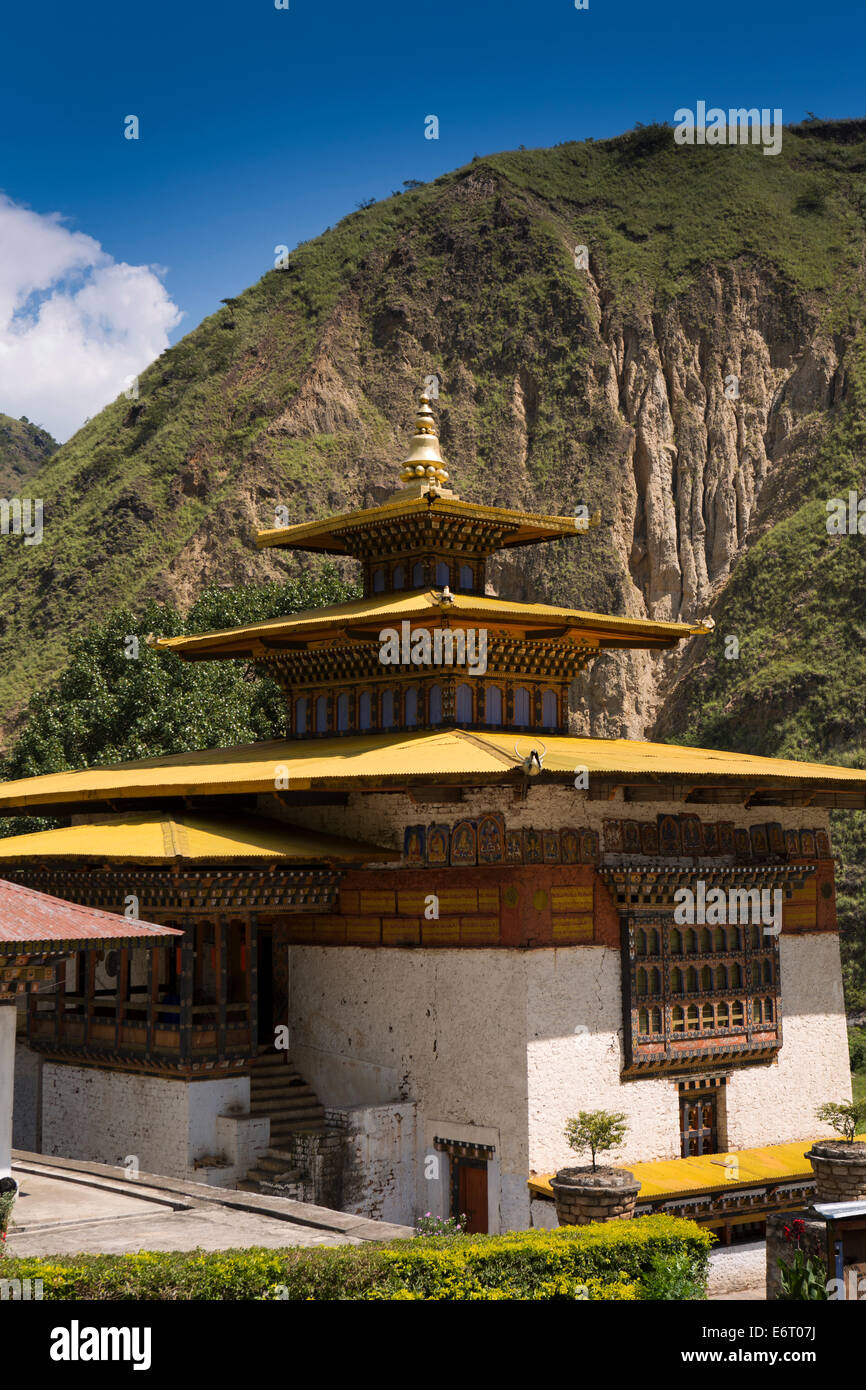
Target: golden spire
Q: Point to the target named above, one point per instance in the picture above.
(425, 464)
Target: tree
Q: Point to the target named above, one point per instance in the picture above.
(845, 1119)
(118, 699)
(596, 1130)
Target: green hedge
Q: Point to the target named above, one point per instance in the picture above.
(586, 1262)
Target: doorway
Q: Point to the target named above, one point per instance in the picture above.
(469, 1192)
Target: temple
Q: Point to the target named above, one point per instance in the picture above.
(428, 924)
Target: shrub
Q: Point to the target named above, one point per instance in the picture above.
(845, 1118)
(600, 1261)
(596, 1130)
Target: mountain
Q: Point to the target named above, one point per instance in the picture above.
(23, 447)
(699, 382)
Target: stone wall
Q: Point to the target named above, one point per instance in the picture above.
(27, 1114)
(109, 1116)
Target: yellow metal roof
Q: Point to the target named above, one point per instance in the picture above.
(145, 838)
(454, 755)
(684, 1177)
(422, 605)
(325, 535)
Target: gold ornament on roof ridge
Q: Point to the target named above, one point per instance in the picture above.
(424, 464)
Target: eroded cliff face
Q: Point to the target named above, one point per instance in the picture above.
(715, 392)
(696, 409)
(679, 395)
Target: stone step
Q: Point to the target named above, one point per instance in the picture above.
(272, 1058)
(254, 1181)
(283, 1164)
(286, 1129)
(276, 1105)
(275, 1083)
(291, 1119)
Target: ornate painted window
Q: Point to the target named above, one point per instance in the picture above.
(411, 707)
(419, 576)
(399, 579)
(521, 706)
(548, 710)
(322, 714)
(698, 992)
(493, 705)
(464, 704)
(301, 715)
(365, 717)
(467, 580)
(379, 579)
(388, 709)
(343, 714)
(435, 704)
(443, 574)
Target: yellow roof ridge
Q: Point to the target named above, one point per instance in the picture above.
(415, 602)
(405, 757)
(402, 505)
(151, 837)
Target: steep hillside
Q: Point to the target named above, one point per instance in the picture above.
(23, 447)
(558, 385)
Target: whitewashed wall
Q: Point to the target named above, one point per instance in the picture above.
(776, 1104)
(7, 1067)
(106, 1116)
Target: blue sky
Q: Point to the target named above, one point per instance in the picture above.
(261, 126)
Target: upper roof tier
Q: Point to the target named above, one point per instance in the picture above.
(361, 620)
(424, 516)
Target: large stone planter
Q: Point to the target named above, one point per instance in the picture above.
(582, 1196)
(840, 1170)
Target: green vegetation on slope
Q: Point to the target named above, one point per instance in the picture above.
(23, 447)
(108, 707)
(472, 276)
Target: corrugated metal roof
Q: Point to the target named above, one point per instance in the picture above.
(421, 606)
(682, 1177)
(452, 755)
(38, 921)
(148, 838)
(325, 535)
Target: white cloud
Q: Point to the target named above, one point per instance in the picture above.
(75, 325)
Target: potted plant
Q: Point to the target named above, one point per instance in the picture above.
(840, 1164)
(594, 1192)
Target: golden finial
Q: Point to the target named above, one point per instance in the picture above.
(425, 464)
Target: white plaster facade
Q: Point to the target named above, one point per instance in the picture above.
(7, 1074)
(500, 1047)
(113, 1116)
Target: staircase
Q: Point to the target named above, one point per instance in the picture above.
(293, 1108)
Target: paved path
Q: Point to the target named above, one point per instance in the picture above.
(67, 1207)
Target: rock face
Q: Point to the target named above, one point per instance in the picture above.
(678, 384)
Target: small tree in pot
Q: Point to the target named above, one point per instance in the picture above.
(840, 1164)
(594, 1193)
(596, 1130)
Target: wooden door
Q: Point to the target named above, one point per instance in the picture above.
(470, 1193)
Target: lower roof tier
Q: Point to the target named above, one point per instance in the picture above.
(454, 757)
